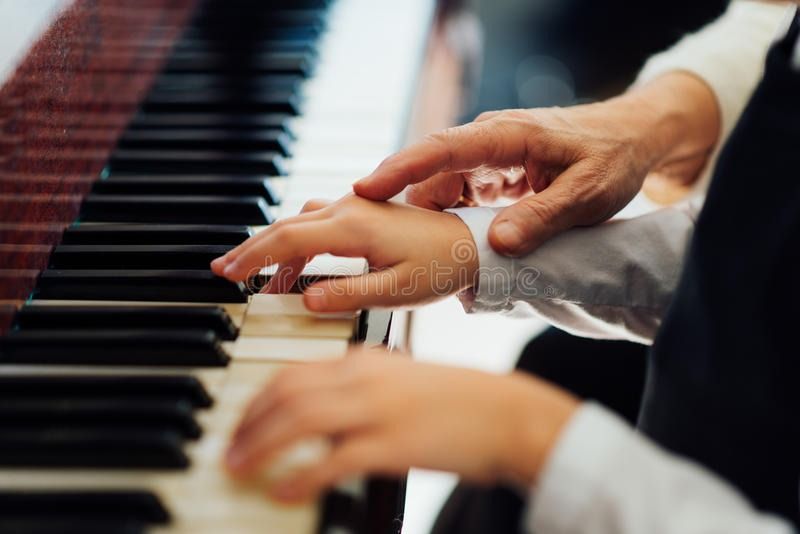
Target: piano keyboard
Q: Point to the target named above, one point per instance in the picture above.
(125, 363)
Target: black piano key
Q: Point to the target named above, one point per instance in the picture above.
(110, 415)
(144, 285)
(43, 525)
(215, 121)
(256, 45)
(305, 34)
(135, 256)
(154, 234)
(191, 139)
(43, 317)
(179, 348)
(292, 63)
(92, 449)
(194, 185)
(67, 506)
(197, 162)
(168, 388)
(223, 101)
(106, 414)
(175, 209)
(167, 84)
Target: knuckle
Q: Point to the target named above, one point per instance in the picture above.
(288, 233)
(536, 211)
(603, 193)
(277, 225)
(444, 141)
(306, 415)
(521, 114)
(289, 238)
(487, 115)
(285, 385)
(350, 459)
(440, 137)
(313, 204)
(419, 195)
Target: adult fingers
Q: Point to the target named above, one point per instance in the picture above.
(571, 200)
(453, 150)
(440, 192)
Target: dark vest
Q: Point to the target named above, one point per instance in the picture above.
(723, 385)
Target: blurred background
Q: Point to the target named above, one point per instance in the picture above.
(559, 52)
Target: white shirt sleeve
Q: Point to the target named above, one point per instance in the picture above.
(728, 55)
(612, 281)
(604, 478)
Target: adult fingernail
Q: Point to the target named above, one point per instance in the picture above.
(363, 182)
(507, 234)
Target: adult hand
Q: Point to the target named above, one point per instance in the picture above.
(385, 414)
(583, 163)
(415, 255)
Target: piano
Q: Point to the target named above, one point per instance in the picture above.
(139, 139)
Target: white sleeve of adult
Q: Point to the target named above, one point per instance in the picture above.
(729, 56)
(611, 281)
(602, 477)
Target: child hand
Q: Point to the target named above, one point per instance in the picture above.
(384, 414)
(415, 255)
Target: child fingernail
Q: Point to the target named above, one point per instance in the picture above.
(316, 301)
(234, 458)
(230, 269)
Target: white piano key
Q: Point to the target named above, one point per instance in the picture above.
(201, 499)
(286, 316)
(285, 349)
(290, 304)
(329, 265)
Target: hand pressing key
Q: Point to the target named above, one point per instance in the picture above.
(384, 414)
(415, 255)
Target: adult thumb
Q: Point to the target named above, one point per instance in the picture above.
(525, 225)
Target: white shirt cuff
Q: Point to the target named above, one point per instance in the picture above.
(496, 277)
(576, 470)
(604, 478)
(611, 281)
